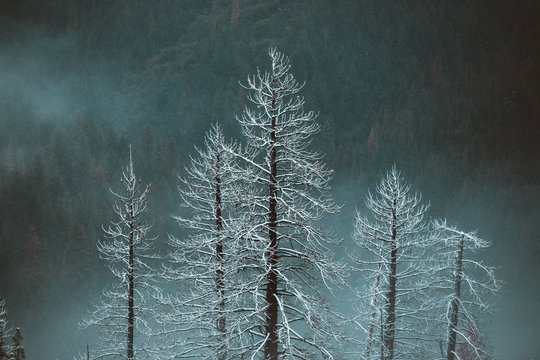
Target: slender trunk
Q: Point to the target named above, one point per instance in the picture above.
(367, 353)
(271, 344)
(220, 287)
(131, 314)
(454, 308)
(390, 323)
(381, 339)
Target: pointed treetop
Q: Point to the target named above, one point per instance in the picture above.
(130, 161)
(216, 130)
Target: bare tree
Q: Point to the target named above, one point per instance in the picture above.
(5, 349)
(295, 268)
(127, 250)
(17, 352)
(463, 286)
(208, 318)
(389, 258)
(473, 346)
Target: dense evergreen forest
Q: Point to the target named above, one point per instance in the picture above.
(447, 91)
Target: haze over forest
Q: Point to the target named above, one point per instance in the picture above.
(448, 91)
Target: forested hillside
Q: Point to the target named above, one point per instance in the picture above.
(449, 92)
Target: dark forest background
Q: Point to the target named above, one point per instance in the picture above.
(449, 91)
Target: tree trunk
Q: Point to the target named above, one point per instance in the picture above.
(454, 309)
(131, 314)
(390, 323)
(271, 344)
(367, 353)
(220, 286)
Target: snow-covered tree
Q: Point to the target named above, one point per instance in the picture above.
(124, 309)
(17, 353)
(389, 258)
(462, 286)
(4, 332)
(295, 268)
(208, 317)
(472, 346)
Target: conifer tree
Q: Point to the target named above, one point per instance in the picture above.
(17, 353)
(295, 268)
(209, 317)
(462, 286)
(391, 249)
(127, 249)
(4, 332)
